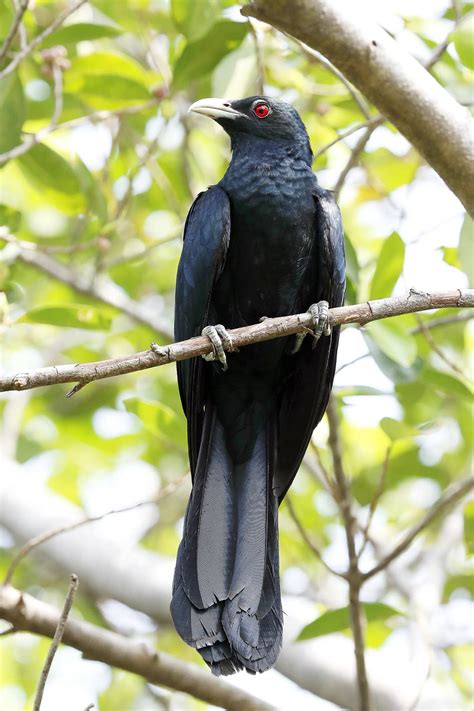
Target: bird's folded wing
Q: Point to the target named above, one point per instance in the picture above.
(206, 239)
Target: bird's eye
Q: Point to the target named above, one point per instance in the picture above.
(261, 111)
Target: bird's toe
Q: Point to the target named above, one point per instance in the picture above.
(221, 341)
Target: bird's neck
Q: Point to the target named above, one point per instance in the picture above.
(246, 147)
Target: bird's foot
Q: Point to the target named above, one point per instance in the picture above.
(220, 339)
(320, 315)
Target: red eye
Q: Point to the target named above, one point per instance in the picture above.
(261, 111)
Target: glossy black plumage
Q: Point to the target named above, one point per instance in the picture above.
(265, 241)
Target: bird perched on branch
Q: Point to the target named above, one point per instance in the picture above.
(265, 241)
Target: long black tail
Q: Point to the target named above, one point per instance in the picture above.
(226, 591)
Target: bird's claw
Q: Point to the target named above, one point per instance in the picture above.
(320, 314)
(220, 339)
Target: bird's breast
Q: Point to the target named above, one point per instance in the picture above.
(272, 231)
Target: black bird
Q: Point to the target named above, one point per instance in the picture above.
(265, 241)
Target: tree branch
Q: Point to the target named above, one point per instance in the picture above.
(22, 8)
(450, 497)
(270, 328)
(58, 635)
(102, 288)
(27, 613)
(20, 56)
(58, 530)
(32, 139)
(389, 77)
(354, 579)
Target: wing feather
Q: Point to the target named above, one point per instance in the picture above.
(310, 372)
(206, 239)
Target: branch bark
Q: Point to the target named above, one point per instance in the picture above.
(394, 81)
(27, 613)
(84, 373)
(142, 580)
(102, 288)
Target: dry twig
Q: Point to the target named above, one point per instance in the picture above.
(27, 613)
(58, 635)
(353, 575)
(58, 530)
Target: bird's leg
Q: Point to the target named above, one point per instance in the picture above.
(219, 338)
(320, 315)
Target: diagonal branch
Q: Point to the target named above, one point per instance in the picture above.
(270, 328)
(450, 497)
(389, 77)
(27, 613)
(354, 578)
(14, 28)
(102, 288)
(20, 56)
(57, 638)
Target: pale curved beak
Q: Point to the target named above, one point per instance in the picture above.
(214, 108)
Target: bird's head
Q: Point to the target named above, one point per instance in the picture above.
(258, 117)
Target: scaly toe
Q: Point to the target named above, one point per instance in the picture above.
(215, 335)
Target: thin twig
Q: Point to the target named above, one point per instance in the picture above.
(451, 496)
(32, 615)
(257, 333)
(352, 362)
(137, 256)
(58, 635)
(443, 321)
(353, 575)
(436, 349)
(58, 530)
(103, 289)
(314, 54)
(308, 539)
(22, 8)
(355, 154)
(322, 473)
(20, 56)
(32, 139)
(348, 132)
(374, 502)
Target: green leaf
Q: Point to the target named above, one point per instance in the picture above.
(339, 620)
(466, 248)
(12, 112)
(159, 419)
(447, 383)
(70, 315)
(390, 170)
(200, 57)
(389, 267)
(10, 217)
(469, 527)
(394, 340)
(112, 91)
(464, 42)
(54, 176)
(194, 17)
(388, 365)
(79, 32)
(396, 429)
(104, 63)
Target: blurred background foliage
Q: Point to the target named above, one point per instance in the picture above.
(91, 219)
